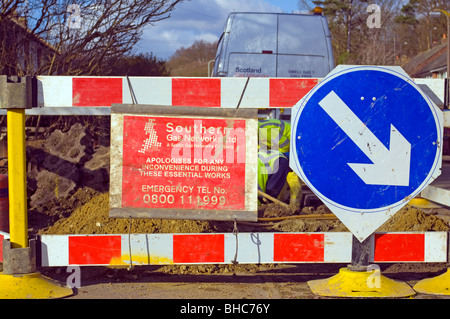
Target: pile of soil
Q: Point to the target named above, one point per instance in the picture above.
(414, 219)
(93, 218)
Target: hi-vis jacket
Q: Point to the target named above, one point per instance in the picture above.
(275, 133)
(268, 164)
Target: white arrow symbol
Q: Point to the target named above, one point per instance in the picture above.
(390, 166)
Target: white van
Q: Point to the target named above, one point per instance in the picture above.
(274, 45)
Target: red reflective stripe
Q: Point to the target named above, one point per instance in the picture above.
(399, 247)
(94, 250)
(96, 91)
(196, 92)
(198, 248)
(298, 247)
(287, 92)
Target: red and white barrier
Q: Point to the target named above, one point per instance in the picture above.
(69, 91)
(66, 91)
(94, 95)
(220, 248)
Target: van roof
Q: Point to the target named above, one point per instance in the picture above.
(278, 13)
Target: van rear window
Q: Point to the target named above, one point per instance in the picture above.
(253, 33)
(303, 36)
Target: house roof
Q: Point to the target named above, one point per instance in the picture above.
(428, 62)
(28, 31)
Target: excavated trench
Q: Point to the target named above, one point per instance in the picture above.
(68, 183)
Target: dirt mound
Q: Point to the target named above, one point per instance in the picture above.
(407, 219)
(93, 218)
(65, 170)
(56, 167)
(71, 146)
(413, 219)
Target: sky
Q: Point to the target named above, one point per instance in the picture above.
(201, 20)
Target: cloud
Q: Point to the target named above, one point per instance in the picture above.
(195, 20)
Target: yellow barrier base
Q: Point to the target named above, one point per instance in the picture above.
(439, 285)
(419, 202)
(360, 284)
(31, 286)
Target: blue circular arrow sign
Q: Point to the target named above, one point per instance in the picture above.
(366, 139)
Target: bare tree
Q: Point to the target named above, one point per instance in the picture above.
(354, 39)
(83, 37)
(377, 44)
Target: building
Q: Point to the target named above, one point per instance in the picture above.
(431, 64)
(21, 51)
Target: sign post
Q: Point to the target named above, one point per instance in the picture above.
(366, 140)
(183, 163)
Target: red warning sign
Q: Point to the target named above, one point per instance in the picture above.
(183, 163)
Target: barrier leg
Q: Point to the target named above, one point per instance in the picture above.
(19, 279)
(360, 279)
(17, 179)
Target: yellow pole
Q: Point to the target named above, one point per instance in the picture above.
(18, 219)
(14, 284)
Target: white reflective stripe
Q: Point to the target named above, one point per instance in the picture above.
(55, 91)
(434, 250)
(148, 90)
(256, 94)
(147, 249)
(54, 250)
(337, 248)
(254, 248)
